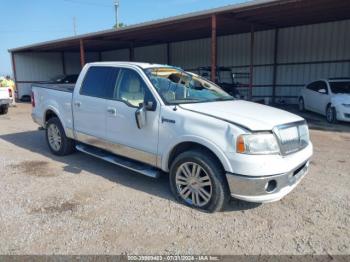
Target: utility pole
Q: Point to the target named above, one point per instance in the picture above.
(116, 5)
(74, 26)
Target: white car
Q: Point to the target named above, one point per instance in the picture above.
(155, 119)
(329, 97)
(5, 99)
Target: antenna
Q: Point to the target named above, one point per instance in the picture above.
(116, 6)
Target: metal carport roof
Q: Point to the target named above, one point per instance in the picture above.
(232, 19)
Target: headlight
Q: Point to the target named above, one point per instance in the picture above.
(257, 144)
(346, 105)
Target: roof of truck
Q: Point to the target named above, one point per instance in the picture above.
(138, 64)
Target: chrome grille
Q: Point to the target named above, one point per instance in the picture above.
(292, 137)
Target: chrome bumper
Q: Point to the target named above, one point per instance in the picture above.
(267, 188)
(5, 101)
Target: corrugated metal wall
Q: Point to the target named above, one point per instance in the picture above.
(44, 66)
(116, 55)
(305, 53)
(312, 43)
(151, 54)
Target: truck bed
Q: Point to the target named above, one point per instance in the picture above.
(57, 98)
(59, 87)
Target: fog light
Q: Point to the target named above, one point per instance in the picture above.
(271, 186)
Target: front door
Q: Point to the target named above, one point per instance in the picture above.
(127, 138)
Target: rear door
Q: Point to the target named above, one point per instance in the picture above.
(122, 131)
(90, 105)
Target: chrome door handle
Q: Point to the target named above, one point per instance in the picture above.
(77, 104)
(112, 110)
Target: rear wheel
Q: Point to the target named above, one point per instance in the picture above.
(331, 115)
(197, 180)
(56, 138)
(4, 109)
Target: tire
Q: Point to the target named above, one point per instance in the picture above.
(331, 114)
(4, 109)
(209, 172)
(301, 104)
(58, 142)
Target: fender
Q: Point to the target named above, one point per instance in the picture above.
(199, 140)
(56, 111)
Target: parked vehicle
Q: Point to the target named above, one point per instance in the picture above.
(329, 97)
(154, 118)
(231, 86)
(5, 99)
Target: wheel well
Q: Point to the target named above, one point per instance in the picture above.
(328, 105)
(186, 146)
(49, 114)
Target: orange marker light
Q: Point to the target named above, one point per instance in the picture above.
(240, 147)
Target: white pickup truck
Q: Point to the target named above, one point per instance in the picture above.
(5, 99)
(155, 119)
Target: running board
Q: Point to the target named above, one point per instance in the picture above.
(124, 162)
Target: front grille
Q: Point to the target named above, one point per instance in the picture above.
(292, 137)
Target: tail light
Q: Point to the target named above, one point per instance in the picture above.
(33, 99)
(10, 92)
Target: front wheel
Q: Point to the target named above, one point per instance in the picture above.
(197, 180)
(331, 115)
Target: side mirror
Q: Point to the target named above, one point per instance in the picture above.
(322, 91)
(150, 105)
(140, 116)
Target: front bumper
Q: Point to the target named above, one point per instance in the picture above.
(5, 101)
(265, 189)
(343, 113)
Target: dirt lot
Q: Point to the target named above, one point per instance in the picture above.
(81, 205)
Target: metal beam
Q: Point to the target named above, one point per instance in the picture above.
(168, 53)
(14, 68)
(82, 53)
(251, 65)
(131, 52)
(63, 59)
(275, 61)
(213, 47)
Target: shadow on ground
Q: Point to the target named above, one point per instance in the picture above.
(34, 141)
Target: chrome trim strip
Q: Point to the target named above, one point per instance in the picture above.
(148, 171)
(118, 149)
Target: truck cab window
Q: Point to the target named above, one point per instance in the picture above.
(99, 82)
(130, 88)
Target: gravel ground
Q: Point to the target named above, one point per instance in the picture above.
(81, 205)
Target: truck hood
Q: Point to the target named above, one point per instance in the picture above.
(253, 116)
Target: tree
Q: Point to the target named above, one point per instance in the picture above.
(120, 25)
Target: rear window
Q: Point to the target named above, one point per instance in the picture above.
(99, 82)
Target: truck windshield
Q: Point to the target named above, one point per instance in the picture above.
(176, 86)
(340, 87)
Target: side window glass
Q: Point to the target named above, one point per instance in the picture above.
(312, 86)
(322, 85)
(130, 88)
(99, 82)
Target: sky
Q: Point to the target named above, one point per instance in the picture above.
(26, 22)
